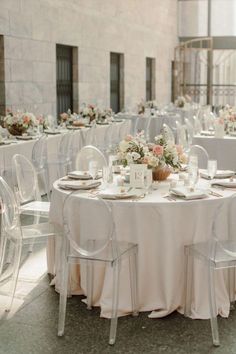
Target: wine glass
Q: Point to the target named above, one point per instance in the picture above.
(148, 180)
(193, 175)
(211, 168)
(93, 169)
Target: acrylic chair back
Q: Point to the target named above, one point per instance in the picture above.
(39, 153)
(65, 147)
(89, 153)
(89, 235)
(10, 222)
(168, 133)
(201, 154)
(25, 177)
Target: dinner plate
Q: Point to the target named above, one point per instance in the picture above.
(219, 174)
(83, 175)
(52, 132)
(24, 137)
(225, 183)
(78, 185)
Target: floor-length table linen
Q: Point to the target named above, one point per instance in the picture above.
(25, 148)
(221, 149)
(161, 229)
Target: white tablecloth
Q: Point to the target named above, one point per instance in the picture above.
(223, 150)
(25, 148)
(161, 228)
(156, 123)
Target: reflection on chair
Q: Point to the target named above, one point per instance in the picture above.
(39, 160)
(14, 236)
(168, 133)
(91, 240)
(202, 155)
(26, 187)
(89, 153)
(217, 253)
(63, 160)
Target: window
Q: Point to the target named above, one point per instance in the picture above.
(2, 78)
(67, 78)
(150, 79)
(116, 82)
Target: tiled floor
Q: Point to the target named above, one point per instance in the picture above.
(31, 328)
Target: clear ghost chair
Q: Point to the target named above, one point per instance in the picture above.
(39, 160)
(217, 254)
(190, 131)
(182, 136)
(26, 187)
(201, 154)
(197, 125)
(89, 153)
(14, 236)
(63, 160)
(143, 124)
(168, 133)
(91, 240)
(90, 138)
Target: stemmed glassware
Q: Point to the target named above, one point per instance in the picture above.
(148, 181)
(193, 171)
(211, 168)
(93, 169)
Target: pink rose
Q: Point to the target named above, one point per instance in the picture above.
(179, 149)
(158, 150)
(128, 137)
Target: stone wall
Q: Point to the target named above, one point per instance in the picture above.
(137, 28)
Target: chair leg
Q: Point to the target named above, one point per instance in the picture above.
(212, 303)
(89, 279)
(2, 252)
(188, 281)
(133, 269)
(231, 284)
(115, 300)
(46, 183)
(63, 289)
(15, 274)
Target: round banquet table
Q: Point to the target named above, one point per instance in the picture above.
(221, 149)
(156, 122)
(161, 228)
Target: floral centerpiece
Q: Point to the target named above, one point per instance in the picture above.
(19, 122)
(180, 101)
(161, 157)
(227, 116)
(88, 111)
(141, 107)
(103, 115)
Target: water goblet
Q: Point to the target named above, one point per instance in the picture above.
(148, 180)
(93, 169)
(211, 168)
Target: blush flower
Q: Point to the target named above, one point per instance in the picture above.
(158, 150)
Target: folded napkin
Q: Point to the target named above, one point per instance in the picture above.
(118, 193)
(83, 175)
(83, 185)
(207, 133)
(232, 133)
(186, 193)
(52, 132)
(219, 174)
(225, 183)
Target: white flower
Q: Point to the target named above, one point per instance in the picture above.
(135, 156)
(123, 146)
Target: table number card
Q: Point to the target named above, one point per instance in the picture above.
(137, 175)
